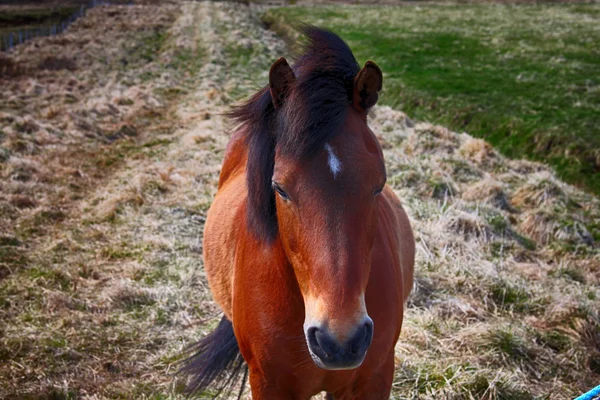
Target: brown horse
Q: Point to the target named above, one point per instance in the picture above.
(307, 251)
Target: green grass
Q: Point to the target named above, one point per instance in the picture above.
(510, 297)
(510, 344)
(526, 78)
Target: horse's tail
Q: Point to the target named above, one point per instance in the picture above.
(215, 362)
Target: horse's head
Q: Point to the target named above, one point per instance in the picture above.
(325, 172)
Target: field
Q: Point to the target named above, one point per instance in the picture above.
(111, 140)
(525, 78)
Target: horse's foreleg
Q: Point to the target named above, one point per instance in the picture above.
(262, 390)
(379, 386)
(375, 385)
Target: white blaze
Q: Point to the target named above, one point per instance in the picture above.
(335, 164)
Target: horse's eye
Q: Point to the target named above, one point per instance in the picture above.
(280, 191)
(378, 191)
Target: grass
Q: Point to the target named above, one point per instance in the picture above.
(497, 301)
(509, 344)
(510, 297)
(523, 77)
(47, 260)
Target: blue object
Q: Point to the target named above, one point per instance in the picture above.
(591, 395)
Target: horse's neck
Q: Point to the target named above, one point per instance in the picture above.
(236, 155)
(266, 266)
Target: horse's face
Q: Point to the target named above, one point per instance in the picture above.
(327, 218)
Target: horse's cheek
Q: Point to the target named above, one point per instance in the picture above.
(290, 237)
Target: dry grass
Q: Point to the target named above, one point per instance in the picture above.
(510, 264)
(108, 172)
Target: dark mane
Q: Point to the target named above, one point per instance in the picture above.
(311, 115)
(317, 104)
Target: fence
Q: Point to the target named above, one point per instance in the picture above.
(11, 39)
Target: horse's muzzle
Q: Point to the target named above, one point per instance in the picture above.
(329, 353)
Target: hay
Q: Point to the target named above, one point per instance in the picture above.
(478, 151)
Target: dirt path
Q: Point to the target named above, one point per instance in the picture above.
(104, 295)
(110, 167)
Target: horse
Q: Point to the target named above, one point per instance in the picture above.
(307, 251)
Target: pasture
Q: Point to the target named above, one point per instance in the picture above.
(523, 77)
(111, 141)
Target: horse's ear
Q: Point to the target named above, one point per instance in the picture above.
(281, 78)
(367, 85)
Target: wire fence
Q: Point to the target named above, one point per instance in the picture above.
(9, 40)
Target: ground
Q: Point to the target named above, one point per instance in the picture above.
(111, 140)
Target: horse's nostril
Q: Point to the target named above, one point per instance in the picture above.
(326, 343)
(362, 338)
(329, 353)
(321, 343)
(359, 339)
